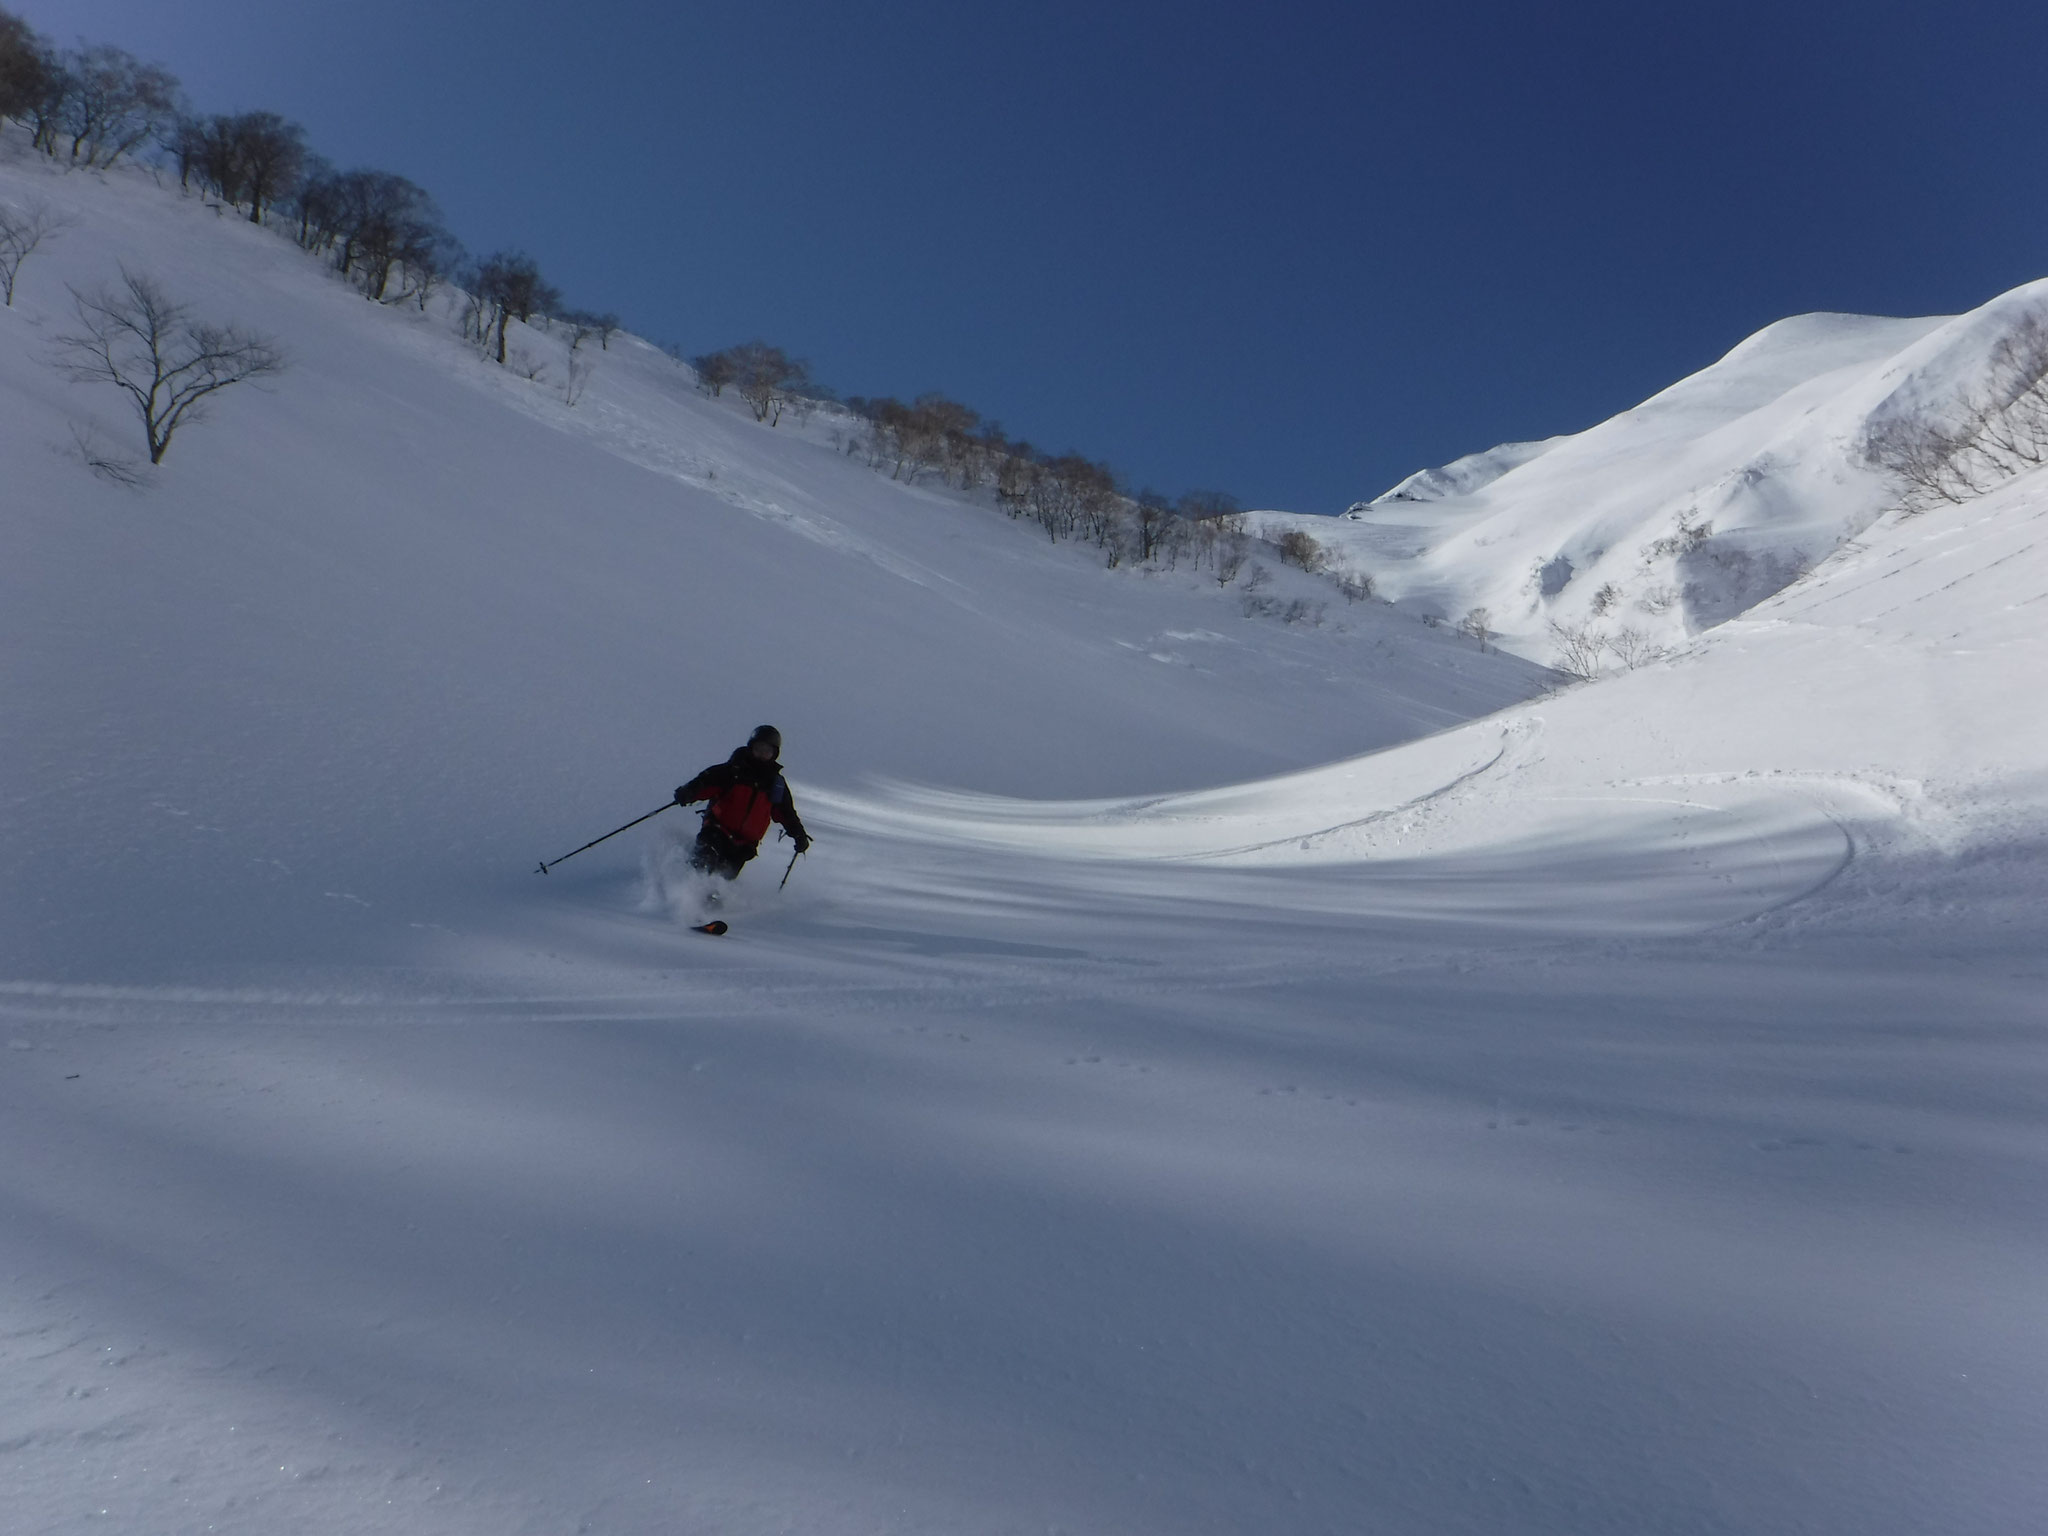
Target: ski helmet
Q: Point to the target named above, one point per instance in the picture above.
(768, 734)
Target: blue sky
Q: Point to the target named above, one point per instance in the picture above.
(1288, 250)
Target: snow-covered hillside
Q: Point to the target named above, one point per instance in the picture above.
(400, 615)
(1685, 511)
(1390, 1101)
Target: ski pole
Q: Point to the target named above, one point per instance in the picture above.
(615, 831)
(792, 867)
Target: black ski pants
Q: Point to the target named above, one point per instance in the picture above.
(718, 854)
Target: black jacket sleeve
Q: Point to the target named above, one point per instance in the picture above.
(705, 785)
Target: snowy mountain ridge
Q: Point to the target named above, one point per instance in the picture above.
(1687, 510)
(1460, 477)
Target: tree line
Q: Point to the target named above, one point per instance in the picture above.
(1068, 495)
(1072, 497)
(95, 105)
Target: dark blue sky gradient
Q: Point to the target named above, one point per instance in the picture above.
(1289, 250)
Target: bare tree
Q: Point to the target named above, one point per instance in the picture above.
(21, 231)
(270, 155)
(714, 371)
(1098, 505)
(1478, 623)
(476, 314)
(581, 326)
(1579, 649)
(1072, 494)
(1298, 546)
(1229, 553)
(581, 366)
(112, 102)
(427, 263)
(932, 433)
(204, 148)
(391, 225)
(511, 288)
(766, 378)
(949, 428)
(185, 140)
(1632, 647)
(1356, 585)
(314, 204)
(1016, 472)
(982, 456)
(138, 339)
(1180, 541)
(1152, 519)
(374, 223)
(252, 158)
(885, 437)
(1118, 539)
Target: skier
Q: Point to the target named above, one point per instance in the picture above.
(746, 792)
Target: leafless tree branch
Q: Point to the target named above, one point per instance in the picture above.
(136, 338)
(21, 231)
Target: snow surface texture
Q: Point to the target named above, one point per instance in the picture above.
(1614, 1112)
(1683, 512)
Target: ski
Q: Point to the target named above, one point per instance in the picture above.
(714, 926)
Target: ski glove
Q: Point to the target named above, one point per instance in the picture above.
(803, 842)
(681, 797)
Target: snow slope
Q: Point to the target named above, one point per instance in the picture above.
(399, 614)
(1616, 1113)
(1685, 511)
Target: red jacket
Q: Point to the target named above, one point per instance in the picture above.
(745, 794)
